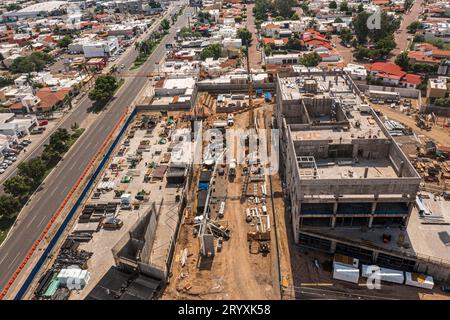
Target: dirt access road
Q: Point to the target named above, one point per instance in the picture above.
(234, 272)
(401, 38)
(254, 54)
(439, 134)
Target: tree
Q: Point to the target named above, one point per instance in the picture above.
(293, 44)
(284, 7)
(402, 60)
(346, 35)
(245, 36)
(13, 7)
(360, 8)
(18, 186)
(36, 61)
(295, 16)
(9, 206)
(204, 16)
(165, 24)
(386, 45)
(104, 89)
(59, 140)
(310, 59)
(389, 25)
(343, 7)
(338, 20)
(64, 42)
(332, 5)
(414, 26)
(34, 169)
(211, 51)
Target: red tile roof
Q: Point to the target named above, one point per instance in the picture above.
(413, 79)
(387, 67)
(50, 98)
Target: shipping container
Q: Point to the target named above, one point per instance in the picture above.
(419, 280)
(388, 275)
(345, 272)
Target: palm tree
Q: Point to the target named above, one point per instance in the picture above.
(29, 81)
(113, 69)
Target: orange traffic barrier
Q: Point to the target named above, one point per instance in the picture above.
(49, 225)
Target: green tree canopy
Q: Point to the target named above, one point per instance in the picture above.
(332, 5)
(344, 6)
(65, 41)
(9, 206)
(388, 24)
(245, 36)
(34, 169)
(310, 59)
(104, 89)
(346, 35)
(165, 24)
(414, 26)
(211, 51)
(402, 60)
(36, 61)
(18, 186)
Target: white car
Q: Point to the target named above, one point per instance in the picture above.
(9, 162)
(2, 170)
(13, 159)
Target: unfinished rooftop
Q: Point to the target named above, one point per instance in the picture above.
(339, 159)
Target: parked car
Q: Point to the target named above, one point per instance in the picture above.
(18, 147)
(43, 123)
(38, 130)
(27, 141)
(13, 159)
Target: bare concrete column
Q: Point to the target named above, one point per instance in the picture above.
(333, 222)
(372, 213)
(355, 151)
(333, 246)
(410, 208)
(374, 256)
(296, 221)
(335, 207)
(400, 169)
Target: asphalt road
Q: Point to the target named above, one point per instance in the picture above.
(46, 202)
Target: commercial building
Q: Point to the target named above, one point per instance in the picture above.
(437, 88)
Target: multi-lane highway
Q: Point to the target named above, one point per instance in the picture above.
(37, 214)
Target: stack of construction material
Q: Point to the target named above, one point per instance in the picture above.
(73, 278)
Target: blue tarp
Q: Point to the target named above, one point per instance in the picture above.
(203, 186)
(259, 91)
(268, 96)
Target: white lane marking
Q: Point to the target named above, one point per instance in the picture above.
(12, 262)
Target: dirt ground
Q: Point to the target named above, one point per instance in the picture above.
(438, 133)
(234, 272)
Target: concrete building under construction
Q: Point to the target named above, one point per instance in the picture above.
(343, 172)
